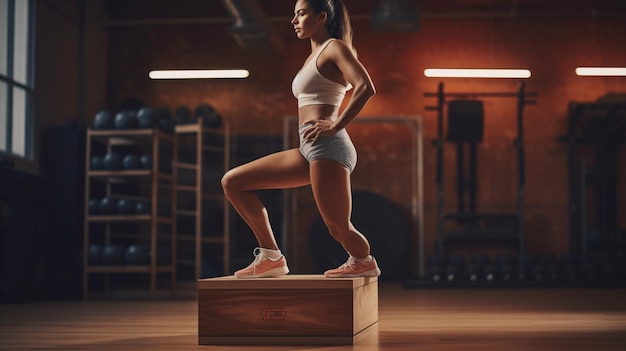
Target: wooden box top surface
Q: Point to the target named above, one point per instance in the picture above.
(295, 281)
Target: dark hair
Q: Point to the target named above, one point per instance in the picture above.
(337, 19)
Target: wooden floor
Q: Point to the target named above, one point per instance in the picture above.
(410, 319)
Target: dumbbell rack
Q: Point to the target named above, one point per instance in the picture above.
(205, 143)
(157, 182)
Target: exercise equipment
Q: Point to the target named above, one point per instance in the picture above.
(465, 122)
(125, 120)
(455, 268)
(96, 163)
(147, 117)
(600, 128)
(131, 162)
(94, 255)
(142, 207)
(436, 266)
(103, 120)
(125, 206)
(137, 255)
(203, 110)
(209, 116)
(182, 115)
(94, 206)
(112, 161)
(214, 120)
(505, 267)
(382, 221)
(476, 267)
(145, 161)
(108, 206)
(113, 255)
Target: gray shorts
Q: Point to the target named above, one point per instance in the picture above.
(336, 147)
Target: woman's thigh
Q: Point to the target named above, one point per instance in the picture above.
(284, 169)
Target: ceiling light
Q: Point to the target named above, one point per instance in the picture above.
(199, 74)
(601, 71)
(476, 73)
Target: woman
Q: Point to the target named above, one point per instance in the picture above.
(326, 156)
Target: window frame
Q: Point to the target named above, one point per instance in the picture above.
(11, 83)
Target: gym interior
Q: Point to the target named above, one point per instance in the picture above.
(496, 207)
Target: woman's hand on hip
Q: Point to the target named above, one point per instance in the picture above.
(318, 128)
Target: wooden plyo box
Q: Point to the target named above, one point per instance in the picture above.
(289, 310)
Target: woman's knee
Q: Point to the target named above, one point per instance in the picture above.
(230, 182)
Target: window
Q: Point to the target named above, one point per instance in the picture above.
(16, 77)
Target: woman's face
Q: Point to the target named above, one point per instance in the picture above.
(305, 21)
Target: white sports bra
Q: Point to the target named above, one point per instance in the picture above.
(310, 87)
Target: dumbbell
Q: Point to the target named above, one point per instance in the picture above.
(476, 268)
(454, 268)
(436, 264)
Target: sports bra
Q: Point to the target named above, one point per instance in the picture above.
(310, 87)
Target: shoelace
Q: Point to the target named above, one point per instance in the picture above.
(258, 257)
(349, 263)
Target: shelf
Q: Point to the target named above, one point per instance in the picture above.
(129, 173)
(152, 182)
(127, 269)
(186, 188)
(186, 213)
(194, 127)
(213, 148)
(185, 165)
(127, 218)
(208, 240)
(118, 218)
(121, 136)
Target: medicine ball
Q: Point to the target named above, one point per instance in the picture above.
(384, 224)
(94, 206)
(204, 110)
(112, 160)
(125, 206)
(131, 162)
(94, 256)
(142, 207)
(182, 114)
(103, 120)
(125, 120)
(137, 255)
(145, 161)
(108, 206)
(213, 120)
(96, 162)
(113, 255)
(147, 117)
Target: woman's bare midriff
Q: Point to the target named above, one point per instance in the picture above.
(315, 112)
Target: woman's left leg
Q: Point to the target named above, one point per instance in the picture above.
(330, 182)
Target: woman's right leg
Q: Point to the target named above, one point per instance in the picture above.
(285, 169)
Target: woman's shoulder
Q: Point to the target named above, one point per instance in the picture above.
(338, 46)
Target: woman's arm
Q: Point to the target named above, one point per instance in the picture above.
(354, 72)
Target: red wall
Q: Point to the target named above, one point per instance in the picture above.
(550, 47)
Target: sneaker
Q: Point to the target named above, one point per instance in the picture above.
(354, 268)
(263, 267)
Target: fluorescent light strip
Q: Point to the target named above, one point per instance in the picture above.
(476, 73)
(601, 71)
(199, 74)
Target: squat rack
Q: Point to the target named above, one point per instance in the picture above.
(518, 216)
